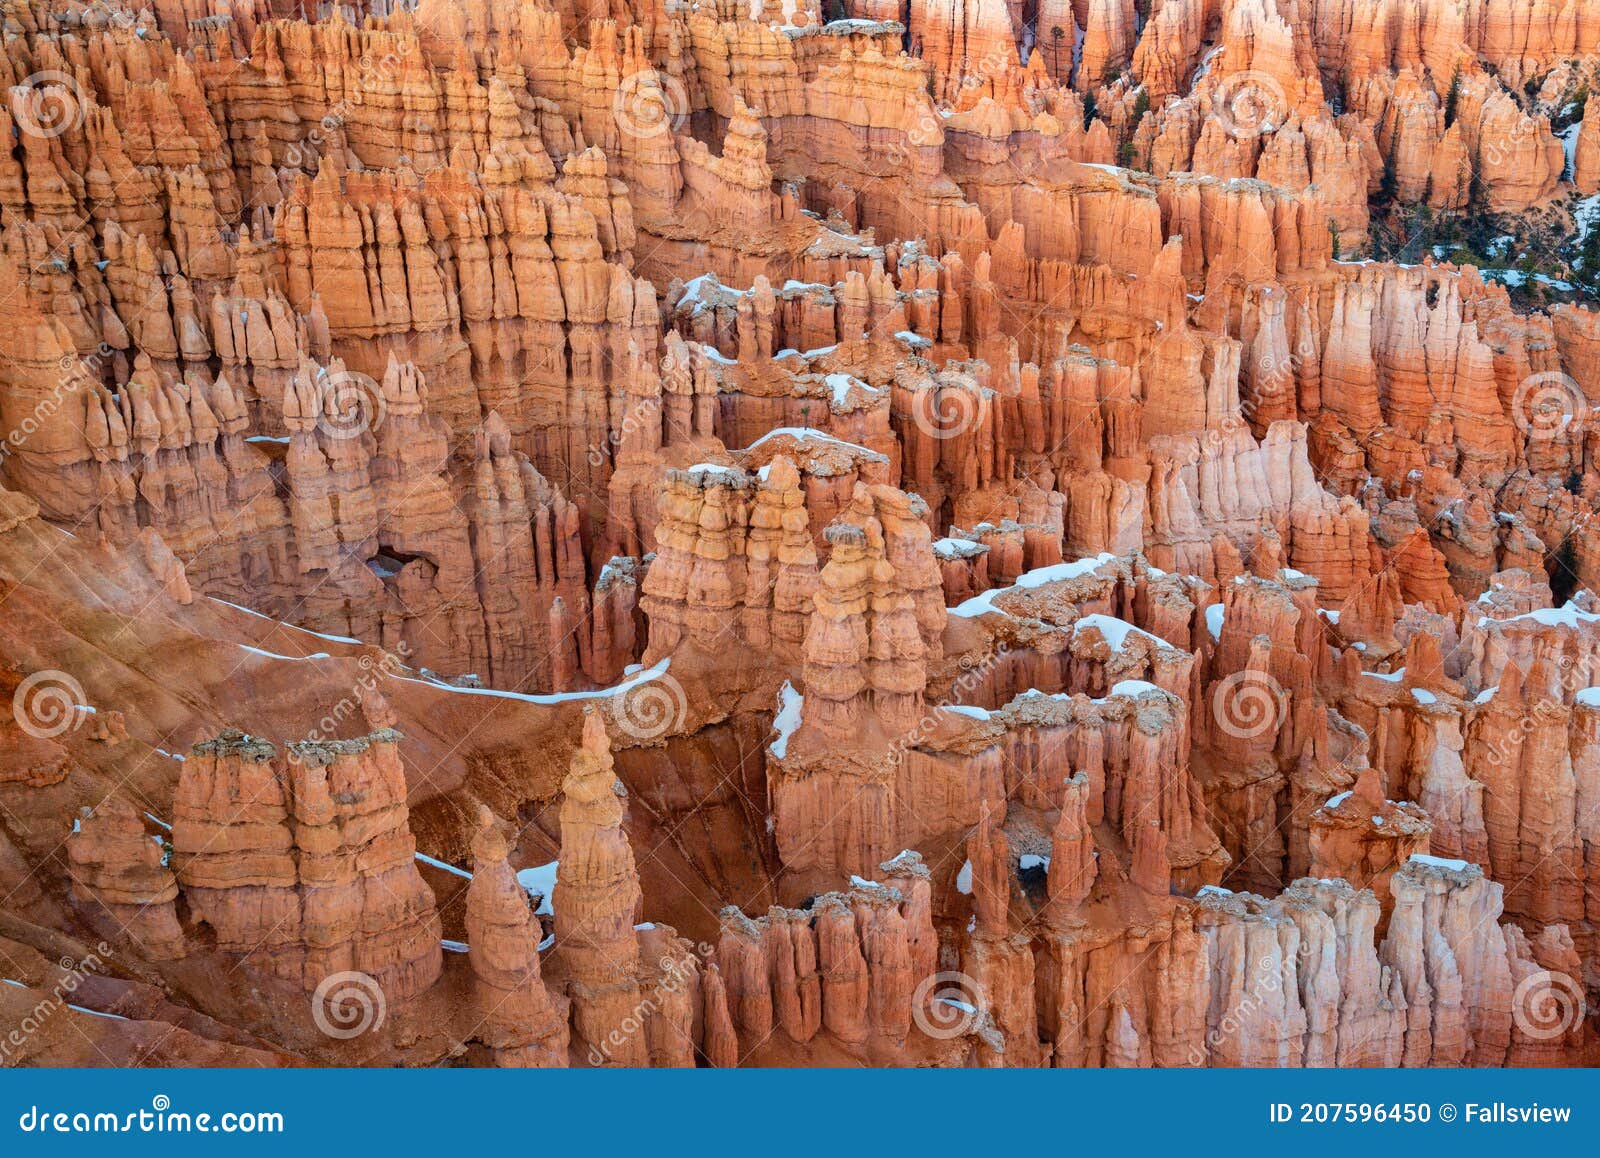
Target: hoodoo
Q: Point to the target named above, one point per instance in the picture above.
(801, 534)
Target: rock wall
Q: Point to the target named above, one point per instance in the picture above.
(1047, 534)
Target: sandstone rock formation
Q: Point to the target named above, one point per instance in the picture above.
(522, 1023)
(304, 860)
(596, 901)
(983, 534)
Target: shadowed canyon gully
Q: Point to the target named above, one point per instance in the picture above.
(986, 533)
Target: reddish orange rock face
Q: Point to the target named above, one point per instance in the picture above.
(972, 534)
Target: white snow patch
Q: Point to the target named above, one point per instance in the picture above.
(696, 286)
(281, 623)
(1516, 279)
(453, 946)
(1116, 631)
(1567, 615)
(1569, 146)
(731, 474)
(791, 707)
(439, 864)
(1205, 65)
(541, 879)
(1587, 697)
(978, 604)
(1036, 694)
(1056, 572)
(1038, 577)
(964, 879)
(1215, 614)
(978, 713)
(1423, 696)
(275, 655)
(1587, 215)
(1335, 801)
(1134, 688)
(97, 1013)
(804, 433)
(840, 386)
(1032, 861)
(552, 697)
(958, 549)
(1438, 862)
